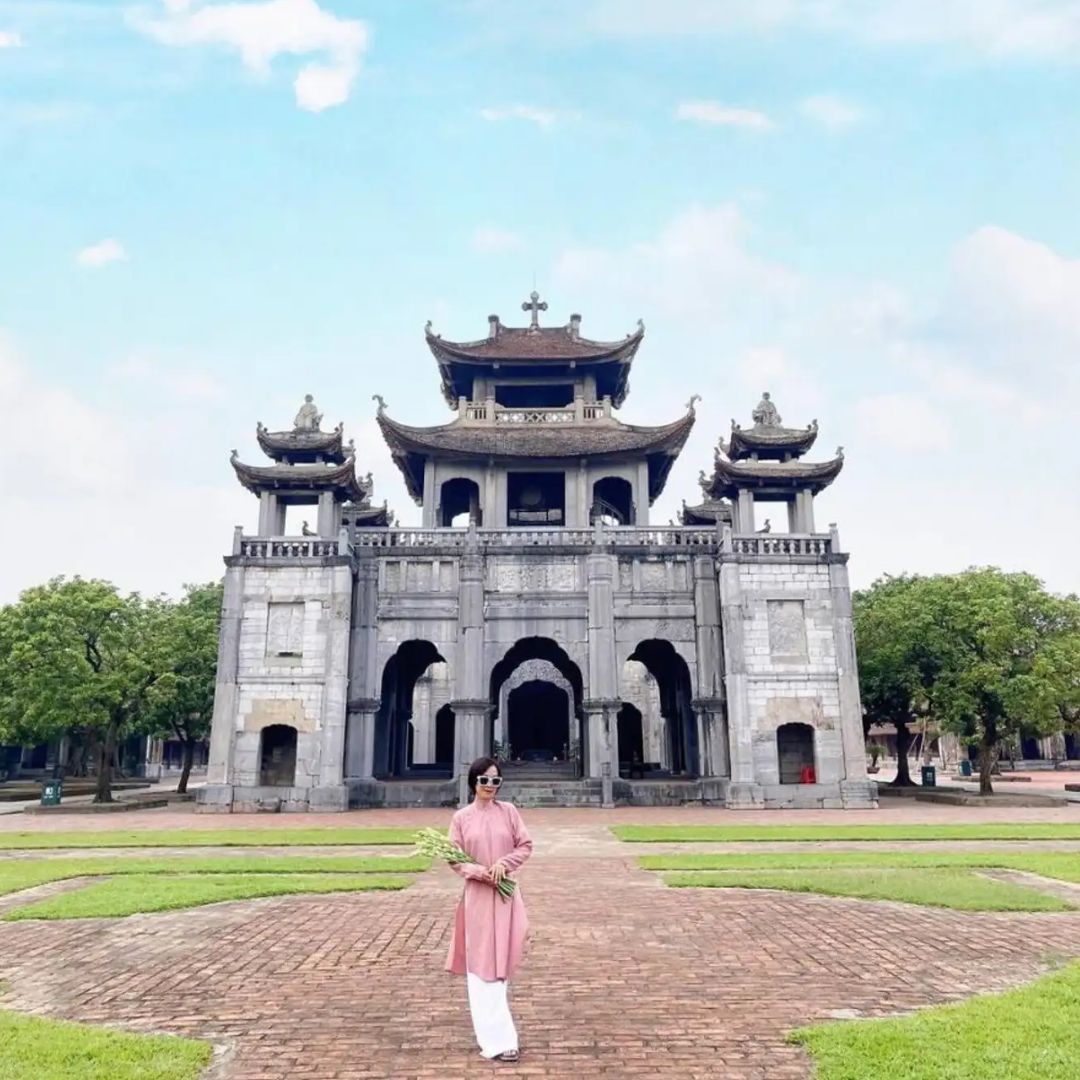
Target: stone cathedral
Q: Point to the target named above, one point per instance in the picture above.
(536, 614)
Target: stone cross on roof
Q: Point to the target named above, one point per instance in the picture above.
(534, 305)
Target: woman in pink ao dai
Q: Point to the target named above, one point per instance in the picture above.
(489, 932)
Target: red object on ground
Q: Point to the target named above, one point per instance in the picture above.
(807, 775)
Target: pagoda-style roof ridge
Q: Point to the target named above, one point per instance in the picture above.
(336, 476)
(299, 445)
(525, 343)
(730, 475)
(769, 439)
(709, 512)
(411, 446)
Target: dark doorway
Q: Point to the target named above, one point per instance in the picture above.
(539, 722)
(536, 498)
(1030, 749)
(393, 726)
(795, 752)
(277, 756)
(673, 681)
(613, 501)
(444, 736)
(459, 503)
(631, 739)
(1071, 747)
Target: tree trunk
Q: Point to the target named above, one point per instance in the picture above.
(185, 772)
(987, 758)
(903, 772)
(107, 749)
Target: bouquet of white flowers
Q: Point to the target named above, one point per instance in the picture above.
(435, 845)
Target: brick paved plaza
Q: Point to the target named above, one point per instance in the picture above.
(626, 978)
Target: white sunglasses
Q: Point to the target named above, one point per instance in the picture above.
(489, 781)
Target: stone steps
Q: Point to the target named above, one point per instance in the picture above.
(539, 793)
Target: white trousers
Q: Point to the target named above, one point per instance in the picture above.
(492, 1022)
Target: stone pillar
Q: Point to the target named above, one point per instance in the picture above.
(431, 495)
(489, 503)
(712, 756)
(578, 517)
(471, 706)
(363, 669)
(601, 571)
(327, 520)
(855, 787)
(807, 511)
(226, 688)
(331, 792)
(267, 513)
(743, 791)
(641, 494)
(743, 512)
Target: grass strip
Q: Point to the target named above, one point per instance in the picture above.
(134, 894)
(958, 889)
(18, 874)
(726, 834)
(171, 838)
(35, 1048)
(1062, 865)
(1032, 1033)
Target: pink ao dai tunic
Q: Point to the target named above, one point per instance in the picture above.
(489, 932)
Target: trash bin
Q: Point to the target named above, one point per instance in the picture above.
(965, 767)
(929, 776)
(51, 791)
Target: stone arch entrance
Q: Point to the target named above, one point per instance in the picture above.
(537, 711)
(795, 753)
(277, 756)
(672, 675)
(393, 721)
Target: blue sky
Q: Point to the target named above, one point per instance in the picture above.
(209, 209)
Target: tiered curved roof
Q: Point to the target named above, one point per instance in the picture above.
(769, 441)
(410, 446)
(773, 476)
(551, 348)
(337, 477)
(302, 446)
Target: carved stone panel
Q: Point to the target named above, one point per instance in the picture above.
(519, 576)
(285, 630)
(787, 630)
(419, 577)
(653, 576)
(393, 577)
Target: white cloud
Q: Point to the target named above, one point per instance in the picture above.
(10, 39)
(992, 28)
(489, 240)
(903, 421)
(101, 254)
(831, 112)
(186, 383)
(261, 32)
(534, 114)
(717, 115)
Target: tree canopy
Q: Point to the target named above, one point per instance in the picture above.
(986, 654)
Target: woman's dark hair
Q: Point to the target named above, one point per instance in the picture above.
(480, 766)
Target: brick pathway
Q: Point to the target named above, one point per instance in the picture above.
(625, 978)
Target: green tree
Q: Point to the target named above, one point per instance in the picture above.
(77, 655)
(181, 702)
(898, 663)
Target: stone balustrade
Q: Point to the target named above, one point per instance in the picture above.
(758, 545)
(491, 412)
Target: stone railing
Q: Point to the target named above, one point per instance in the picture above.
(766, 544)
(758, 545)
(289, 547)
(490, 412)
(534, 416)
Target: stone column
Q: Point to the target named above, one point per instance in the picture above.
(363, 669)
(601, 571)
(807, 511)
(331, 792)
(219, 778)
(744, 512)
(641, 495)
(431, 495)
(267, 513)
(327, 520)
(578, 518)
(743, 791)
(471, 705)
(855, 788)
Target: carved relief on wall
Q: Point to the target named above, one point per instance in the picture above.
(653, 576)
(787, 629)
(626, 575)
(534, 577)
(285, 629)
(419, 577)
(393, 577)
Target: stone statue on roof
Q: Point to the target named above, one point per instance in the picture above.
(765, 415)
(309, 417)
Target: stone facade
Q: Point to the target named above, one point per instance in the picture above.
(536, 614)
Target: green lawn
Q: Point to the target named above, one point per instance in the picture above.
(1063, 865)
(1028, 1034)
(963, 890)
(171, 838)
(16, 874)
(727, 834)
(134, 894)
(33, 1048)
